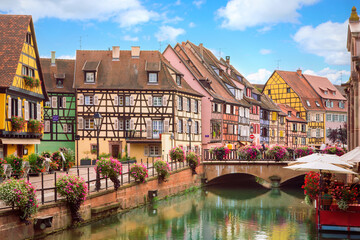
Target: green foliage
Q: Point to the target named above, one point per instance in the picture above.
(17, 123)
(104, 155)
(2, 163)
(36, 163)
(16, 164)
(46, 154)
(177, 154)
(69, 155)
(35, 126)
(109, 167)
(31, 82)
(139, 172)
(73, 188)
(193, 159)
(162, 168)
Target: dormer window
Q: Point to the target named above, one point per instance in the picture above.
(153, 77)
(288, 90)
(178, 80)
(334, 93)
(326, 92)
(89, 77)
(59, 83)
(298, 115)
(317, 103)
(289, 113)
(308, 103)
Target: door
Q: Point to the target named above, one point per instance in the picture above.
(157, 128)
(115, 149)
(20, 150)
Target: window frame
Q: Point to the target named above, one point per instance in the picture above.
(90, 122)
(178, 79)
(90, 100)
(157, 101)
(150, 80)
(86, 78)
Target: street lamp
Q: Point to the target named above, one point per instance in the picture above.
(189, 123)
(97, 123)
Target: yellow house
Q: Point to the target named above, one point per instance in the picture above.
(22, 90)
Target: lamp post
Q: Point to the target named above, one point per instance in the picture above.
(190, 123)
(97, 123)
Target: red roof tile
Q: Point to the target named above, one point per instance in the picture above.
(286, 109)
(322, 84)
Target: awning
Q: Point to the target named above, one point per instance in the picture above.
(24, 141)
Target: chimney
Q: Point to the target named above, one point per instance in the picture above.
(227, 59)
(53, 58)
(354, 16)
(116, 53)
(201, 51)
(135, 52)
(299, 72)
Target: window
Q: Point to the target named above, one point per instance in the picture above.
(154, 150)
(188, 104)
(289, 113)
(317, 104)
(59, 83)
(196, 106)
(282, 120)
(153, 77)
(69, 128)
(14, 107)
(196, 127)
(227, 109)
(317, 132)
(60, 102)
(93, 148)
(121, 124)
(341, 105)
(334, 93)
(303, 127)
(89, 77)
(31, 72)
(121, 100)
(127, 100)
(331, 104)
(89, 123)
(308, 103)
(157, 101)
(47, 104)
(327, 103)
(303, 141)
(180, 126)
(294, 127)
(327, 132)
(28, 38)
(335, 118)
(32, 110)
(178, 80)
(317, 117)
(269, 92)
(127, 124)
(309, 133)
(341, 118)
(297, 114)
(328, 117)
(326, 92)
(288, 90)
(180, 103)
(89, 100)
(25, 70)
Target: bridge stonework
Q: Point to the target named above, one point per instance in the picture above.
(261, 169)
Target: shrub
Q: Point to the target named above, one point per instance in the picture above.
(21, 195)
(104, 155)
(69, 156)
(74, 189)
(16, 164)
(56, 157)
(250, 152)
(111, 168)
(278, 152)
(311, 185)
(303, 151)
(36, 163)
(194, 160)
(54, 166)
(35, 126)
(220, 152)
(177, 154)
(334, 150)
(139, 172)
(17, 123)
(162, 168)
(2, 163)
(344, 196)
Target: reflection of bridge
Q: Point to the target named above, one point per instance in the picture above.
(271, 171)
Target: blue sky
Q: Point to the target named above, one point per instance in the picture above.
(258, 35)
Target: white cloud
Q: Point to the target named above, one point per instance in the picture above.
(335, 76)
(168, 33)
(241, 14)
(265, 29)
(191, 25)
(198, 3)
(327, 40)
(131, 39)
(265, 51)
(178, 2)
(261, 76)
(66, 57)
(125, 12)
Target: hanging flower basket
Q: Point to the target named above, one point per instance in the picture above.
(139, 172)
(279, 153)
(163, 169)
(110, 167)
(17, 123)
(220, 152)
(31, 82)
(194, 160)
(177, 154)
(311, 185)
(35, 126)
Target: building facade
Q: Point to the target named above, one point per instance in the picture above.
(22, 90)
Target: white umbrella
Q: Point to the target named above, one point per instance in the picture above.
(353, 156)
(320, 166)
(328, 158)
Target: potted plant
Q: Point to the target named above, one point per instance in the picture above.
(139, 172)
(311, 186)
(74, 189)
(163, 170)
(16, 165)
(194, 160)
(31, 82)
(17, 124)
(279, 153)
(177, 154)
(334, 150)
(303, 151)
(249, 153)
(21, 195)
(110, 167)
(220, 152)
(344, 196)
(35, 126)
(36, 164)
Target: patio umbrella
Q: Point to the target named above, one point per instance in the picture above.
(319, 166)
(353, 156)
(328, 158)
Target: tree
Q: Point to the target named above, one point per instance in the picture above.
(338, 134)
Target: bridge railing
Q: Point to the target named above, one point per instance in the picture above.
(233, 156)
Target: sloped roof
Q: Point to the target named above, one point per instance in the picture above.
(341, 89)
(321, 84)
(127, 73)
(303, 89)
(63, 69)
(293, 118)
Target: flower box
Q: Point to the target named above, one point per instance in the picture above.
(17, 124)
(31, 82)
(35, 126)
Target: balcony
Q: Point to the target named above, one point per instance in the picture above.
(244, 120)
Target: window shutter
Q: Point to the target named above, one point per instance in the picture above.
(184, 126)
(64, 102)
(19, 107)
(184, 105)
(192, 102)
(166, 125)
(47, 126)
(148, 129)
(64, 127)
(9, 107)
(26, 110)
(132, 124)
(177, 125)
(116, 100)
(192, 126)
(81, 99)
(116, 124)
(199, 106)
(131, 100)
(96, 100)
(80, 122)
(321, 133)
(54, 102)
(38, 115)
(321, 117)
(164, 100)
(149, 100)
(146, 151)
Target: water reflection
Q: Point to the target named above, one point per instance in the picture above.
(213, 213)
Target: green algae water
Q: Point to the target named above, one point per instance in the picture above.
(213, 213)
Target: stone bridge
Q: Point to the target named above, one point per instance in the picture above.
(270, 171)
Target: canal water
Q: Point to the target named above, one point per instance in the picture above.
(217, 212)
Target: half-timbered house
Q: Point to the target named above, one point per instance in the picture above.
(22, 90)
(145, 104)
(59, 111)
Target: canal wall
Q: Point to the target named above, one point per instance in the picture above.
(98, 205)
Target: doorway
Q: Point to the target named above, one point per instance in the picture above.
(115, 149)
(20, 150)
